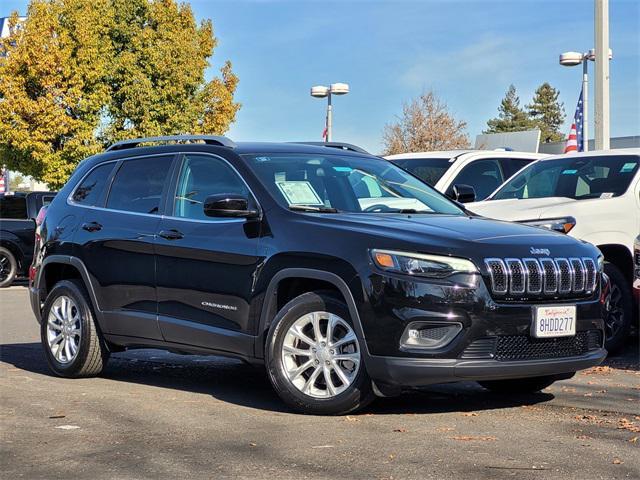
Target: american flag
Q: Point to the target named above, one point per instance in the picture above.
(575, 142)
(4, 184)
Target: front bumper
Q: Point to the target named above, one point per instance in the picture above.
(415, 372)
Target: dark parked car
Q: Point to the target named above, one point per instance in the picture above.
(18, 212)
(343, 274)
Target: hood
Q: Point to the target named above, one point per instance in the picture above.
(513, 209)
(451, 234)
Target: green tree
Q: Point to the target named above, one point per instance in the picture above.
(511, 117)
(547, 113)
(425, 125)
(81, 74)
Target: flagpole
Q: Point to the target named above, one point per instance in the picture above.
(585, 105)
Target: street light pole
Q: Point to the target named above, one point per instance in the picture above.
(585, 104)
(602, 141)
(329, 118)
(320, 91)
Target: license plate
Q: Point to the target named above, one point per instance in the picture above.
(556, 321)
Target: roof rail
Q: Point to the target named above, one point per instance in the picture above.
(208, 139)
(339, 145)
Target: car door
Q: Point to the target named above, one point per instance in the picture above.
(483, 175)
(123, 203)
(206, 266)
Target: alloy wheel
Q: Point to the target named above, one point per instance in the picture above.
(64, 329)
(5, 267)
(321, 355)
(614, 320)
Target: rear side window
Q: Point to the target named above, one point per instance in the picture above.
(14, 208)
(90, 189)
(429, 170)
(138, 185)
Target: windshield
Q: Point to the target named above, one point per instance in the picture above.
(347, 184)
(429, 170)
(574, 177)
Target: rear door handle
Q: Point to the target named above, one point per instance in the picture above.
(91, 226)
(171, 234)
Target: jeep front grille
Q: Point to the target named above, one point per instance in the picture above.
(547, 277)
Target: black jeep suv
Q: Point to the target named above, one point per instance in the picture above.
(345, 275)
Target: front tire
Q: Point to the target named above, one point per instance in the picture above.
(314, 357)
(519, 385)
(71, 340)
(617, 322)
(8, 267)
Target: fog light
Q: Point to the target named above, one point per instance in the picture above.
(429, 334)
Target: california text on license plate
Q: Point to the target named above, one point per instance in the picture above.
(555, 321)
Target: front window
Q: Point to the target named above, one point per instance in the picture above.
(346, 184)
(429, 170)
(574, 177)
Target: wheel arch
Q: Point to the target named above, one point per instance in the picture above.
(62, 267)
(9, 241)
(310, 277)
(621, 257)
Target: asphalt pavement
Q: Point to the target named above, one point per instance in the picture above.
(158, 415)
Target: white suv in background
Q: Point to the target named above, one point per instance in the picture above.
(452, 172)
(592, 196)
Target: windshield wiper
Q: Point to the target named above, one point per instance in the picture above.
(310, 208)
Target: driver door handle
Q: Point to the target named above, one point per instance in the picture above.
(172, 234)
(91, 226)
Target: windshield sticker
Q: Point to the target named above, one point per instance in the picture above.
(607, 195)
(569, 172)
(628, 167)
(299, 193)
(343, 169)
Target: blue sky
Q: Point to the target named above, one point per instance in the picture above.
(467, 51)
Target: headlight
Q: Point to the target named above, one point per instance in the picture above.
(600, 263)
(562, 225)
(433, 266)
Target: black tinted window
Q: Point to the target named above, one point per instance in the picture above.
(13, 207)
(201, 176)
(138, 185)
(91, 188)
(429, 170)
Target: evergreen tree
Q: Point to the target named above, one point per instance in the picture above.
(511, 118)
(548, 113)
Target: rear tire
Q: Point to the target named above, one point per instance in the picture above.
(8, 267)
(620, 310)
(73, 345)
(335, 381)
(519, 385)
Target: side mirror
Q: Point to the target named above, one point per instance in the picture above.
(464, 193)
(228, 205)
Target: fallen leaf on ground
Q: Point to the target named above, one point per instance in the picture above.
(349, 418)
(251, 444)
(625, 424)
(633, 440)
(445, 429)
(400, 430)
(597, 371)
(469, 438)
(583, 437)
(470, 414)
(617, 461)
